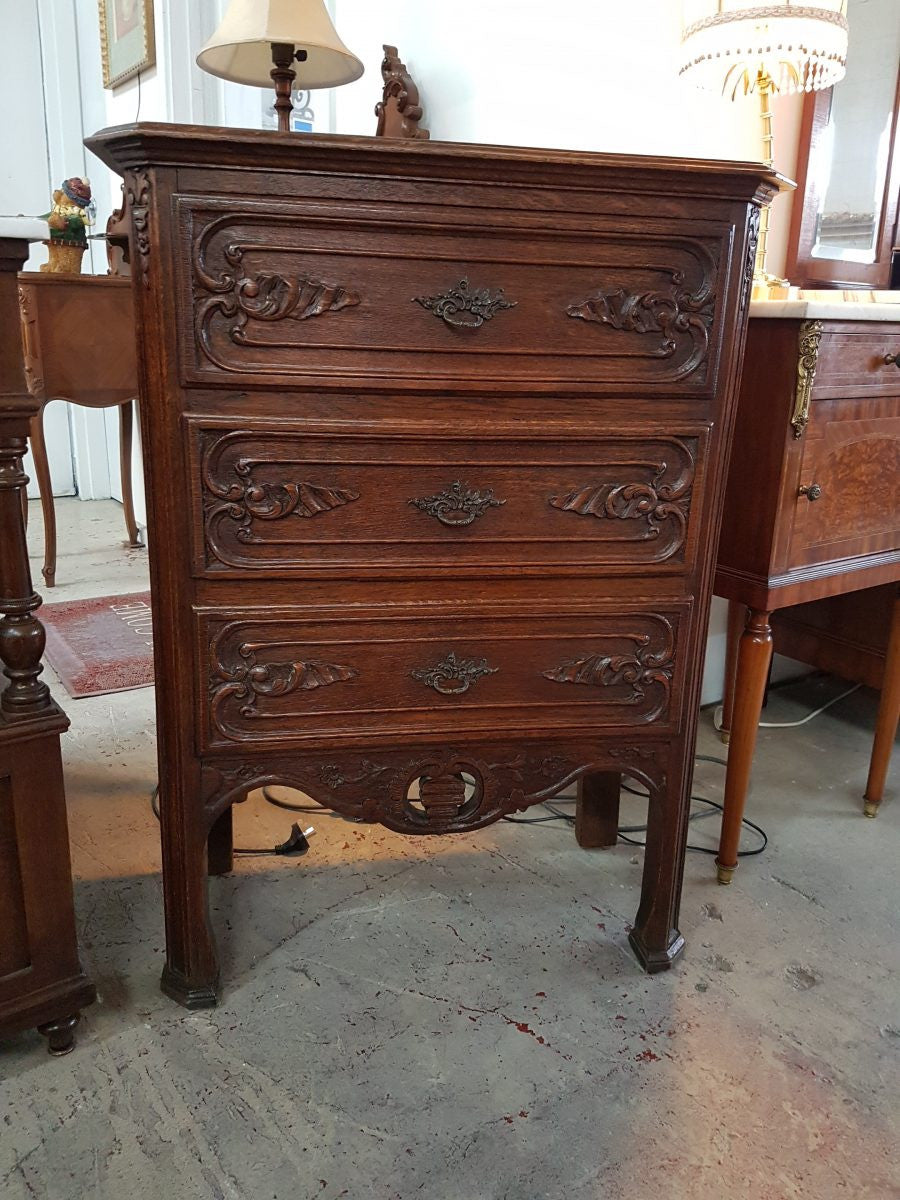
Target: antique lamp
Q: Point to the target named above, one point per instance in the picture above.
(737, 46)
(259, 41)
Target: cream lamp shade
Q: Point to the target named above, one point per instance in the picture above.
(738, 46)
(799, 45)
(241, 48)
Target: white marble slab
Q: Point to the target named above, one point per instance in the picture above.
(29, 229)
(825, 310)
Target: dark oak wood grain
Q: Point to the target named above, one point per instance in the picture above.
(434, 442)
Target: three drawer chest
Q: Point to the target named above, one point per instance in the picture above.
(434, 442)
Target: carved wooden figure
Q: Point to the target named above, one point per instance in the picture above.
(398, 111)
(434, 440)
(41, 981)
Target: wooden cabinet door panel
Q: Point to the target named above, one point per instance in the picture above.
(851, 453)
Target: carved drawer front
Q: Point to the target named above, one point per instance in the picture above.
(321, 675)
(280, 501)
(300, 298)
(856, 361)
(848, 500)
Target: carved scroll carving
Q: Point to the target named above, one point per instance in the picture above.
(650, 664)
(241, 297)
(464, 307)
(653, 503)
(681, 316)
(399, 111)
(810, 336)
(453, 676)
(245, 680)
(457, 504)
(250, 500)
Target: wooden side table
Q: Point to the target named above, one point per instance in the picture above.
(78, 332)
(811, 508)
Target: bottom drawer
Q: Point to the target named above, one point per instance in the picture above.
(318, 675)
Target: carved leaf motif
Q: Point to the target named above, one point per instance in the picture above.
(674, 312)
(654, 503)
(240, 296)
(249, 501)
(465, 307)
(247, 680)
(640, 669)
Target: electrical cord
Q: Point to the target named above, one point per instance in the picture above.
(719, 711)
(296, 845)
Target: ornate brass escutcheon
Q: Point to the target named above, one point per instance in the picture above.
(457, 504)
(464, 307)
(453, 676)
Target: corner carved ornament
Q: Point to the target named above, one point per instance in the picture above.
(138, 199)
(242, 297)
(753, 222)
(677, 317)
(430, 791)
(807, 361)
(31, 344)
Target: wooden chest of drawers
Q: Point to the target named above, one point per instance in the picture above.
(434, 440)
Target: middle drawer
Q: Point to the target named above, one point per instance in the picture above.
(275, 499)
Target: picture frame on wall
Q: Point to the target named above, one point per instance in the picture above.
(126, 39)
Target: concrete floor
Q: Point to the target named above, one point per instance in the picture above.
(462, 1019)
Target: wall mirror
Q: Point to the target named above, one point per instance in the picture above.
(844, 222)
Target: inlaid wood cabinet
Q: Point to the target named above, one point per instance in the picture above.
(434, 441)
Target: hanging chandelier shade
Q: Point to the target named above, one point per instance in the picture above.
(798, 45)
(241, 48)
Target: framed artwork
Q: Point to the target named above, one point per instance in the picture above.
(126, 39)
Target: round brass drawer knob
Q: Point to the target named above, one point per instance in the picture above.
(811, 491)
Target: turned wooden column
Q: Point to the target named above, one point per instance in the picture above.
(41, 981)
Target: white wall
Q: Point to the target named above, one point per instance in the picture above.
(589, 74)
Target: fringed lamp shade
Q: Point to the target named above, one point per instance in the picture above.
(728, 45)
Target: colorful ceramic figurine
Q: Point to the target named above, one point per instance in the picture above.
(69, 220)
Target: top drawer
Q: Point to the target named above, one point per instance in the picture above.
(851, 360)
(301, 298)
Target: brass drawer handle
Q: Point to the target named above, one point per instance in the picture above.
(892, 358)
(453, 675)
(457, 504)
(811, 491)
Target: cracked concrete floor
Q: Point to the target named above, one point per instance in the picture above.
(462, 1019)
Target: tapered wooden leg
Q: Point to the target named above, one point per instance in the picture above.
(754, 656)
(60, 1034)
(655, 937)
(737, 616)
(45, 488)
(888, 717)
(597, 810)
(220, 847)
(191, 973)
(126, 434)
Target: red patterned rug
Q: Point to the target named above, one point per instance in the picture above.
(100, 645)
